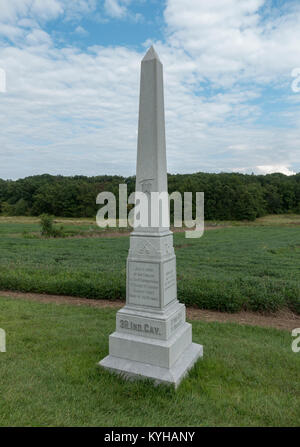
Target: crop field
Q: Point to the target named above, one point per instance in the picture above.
(233, 266)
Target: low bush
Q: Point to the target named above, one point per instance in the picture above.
(47, 228)
(231, 295)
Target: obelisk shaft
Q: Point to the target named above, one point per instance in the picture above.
(151, 172)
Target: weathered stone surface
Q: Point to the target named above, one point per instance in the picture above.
(151, 324)
(162, 353)
(132, 370)
(152, 338)
(151, 170)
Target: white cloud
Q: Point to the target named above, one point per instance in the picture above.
(275, 168)
(80, 30)
(20, 17)
(230, 42)
(67, 111)
(38, 37)
(10, 31)
(115, 8)
(2, 81)
(71, 111)
(76, 9)
(43, 10)
(119, 9)
(11, 10)
(46, 9)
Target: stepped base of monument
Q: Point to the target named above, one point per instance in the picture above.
(163, 353)
(133, 370)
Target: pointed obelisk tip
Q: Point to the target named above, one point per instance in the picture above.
(151, 54)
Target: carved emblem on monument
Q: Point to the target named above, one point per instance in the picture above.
(146, 248)
(147, 185)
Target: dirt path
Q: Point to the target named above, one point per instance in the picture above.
(284, 319)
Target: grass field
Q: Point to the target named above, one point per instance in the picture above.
(48, 377)
(244, 266)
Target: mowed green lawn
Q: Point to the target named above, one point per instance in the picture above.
(249, 376)
(255, 266)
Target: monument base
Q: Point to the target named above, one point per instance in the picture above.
(133, 370)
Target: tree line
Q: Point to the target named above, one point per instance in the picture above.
(228, 196)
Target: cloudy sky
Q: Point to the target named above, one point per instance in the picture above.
(232, 92)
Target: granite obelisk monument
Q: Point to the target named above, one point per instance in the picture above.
(152, 338)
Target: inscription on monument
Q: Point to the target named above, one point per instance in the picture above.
(143, 286)
(177, 321)
(169, 281)
(147, 328)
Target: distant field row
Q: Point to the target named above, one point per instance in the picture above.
(253, 267)
(279, 219)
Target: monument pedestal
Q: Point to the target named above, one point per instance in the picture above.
(152, 338)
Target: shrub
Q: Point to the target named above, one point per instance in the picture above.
(47, 228)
